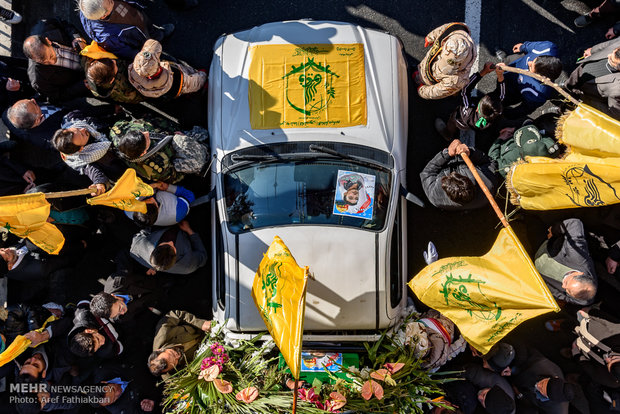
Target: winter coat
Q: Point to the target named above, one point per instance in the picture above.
(451, 68)
(509, 151)
(442, 165)
(124, 40)
(56, 83)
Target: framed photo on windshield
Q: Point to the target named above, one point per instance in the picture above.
(355, 194)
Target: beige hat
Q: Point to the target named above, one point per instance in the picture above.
(457, 53)
(150, 76)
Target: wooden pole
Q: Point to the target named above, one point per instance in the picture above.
(542, 79)
(295, 395)
(71, 193)
(485, 190)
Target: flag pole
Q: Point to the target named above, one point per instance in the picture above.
(485, 190)
(71, 193)
(295, 395)
(545, 80)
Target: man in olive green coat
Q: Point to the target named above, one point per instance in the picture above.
(178, 335)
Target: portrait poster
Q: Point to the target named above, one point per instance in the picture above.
(355, 194)
(319, 362)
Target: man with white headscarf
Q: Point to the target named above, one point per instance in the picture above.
(444, 71)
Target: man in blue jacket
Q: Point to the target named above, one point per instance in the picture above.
(120, 27)
(523, 93)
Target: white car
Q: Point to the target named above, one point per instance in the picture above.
(296, 176)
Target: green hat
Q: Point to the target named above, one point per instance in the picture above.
(532, 144)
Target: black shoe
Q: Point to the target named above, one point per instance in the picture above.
(583, 21)
(500, 54)
(162, 32)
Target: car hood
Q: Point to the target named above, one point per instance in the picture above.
(343, 294)
(228, 82)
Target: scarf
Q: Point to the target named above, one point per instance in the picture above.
(90, 152)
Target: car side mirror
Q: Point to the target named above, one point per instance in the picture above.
(412, 198)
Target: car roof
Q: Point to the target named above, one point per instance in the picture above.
(229, 85)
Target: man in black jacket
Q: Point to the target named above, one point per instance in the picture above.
(450, 185)
(54, 66)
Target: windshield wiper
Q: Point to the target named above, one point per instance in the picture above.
(325, 150)
(253, 157)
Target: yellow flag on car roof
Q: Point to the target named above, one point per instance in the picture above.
(279, 291)
(307, 86)
(488, 296)
(588, 176)
(124, 194)
(26, 215)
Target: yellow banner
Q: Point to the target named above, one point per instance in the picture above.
(307, 86)
(26, 215)
(488, 296)
(94, 51)
(546, 184)
(124, 194)
(589, 131)
(279, 292)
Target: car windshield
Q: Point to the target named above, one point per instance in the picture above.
(318, 191)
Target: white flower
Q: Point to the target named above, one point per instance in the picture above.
(365, 373)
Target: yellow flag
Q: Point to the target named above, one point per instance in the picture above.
(25, 215)
(588, 176)
(488, 296)
(590, 132)
(279, 291)
(124, 193)
(94, 51)
(546, 184)
(20, 344)
(307, 86)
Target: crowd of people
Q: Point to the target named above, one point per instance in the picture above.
(73, 109)
(507, 125)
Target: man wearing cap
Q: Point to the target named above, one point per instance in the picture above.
(499, 358)
(510, 148)
(155, 78)
(444, 71)
(120, 27)
(494, 393)
(565, 264)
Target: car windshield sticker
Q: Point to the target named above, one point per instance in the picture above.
(319, 362)
(355, 194)
(307, 86)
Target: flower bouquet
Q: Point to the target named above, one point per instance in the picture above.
(244, 378)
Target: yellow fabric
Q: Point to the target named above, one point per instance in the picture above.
(124, 194)
(94, 51)
(279, 292)
(546, 184)
(25, 215)
(488, 296)
(588, 176)
(307, 86)
(588, 130)
(20, 344)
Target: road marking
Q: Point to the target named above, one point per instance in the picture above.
(473, 14)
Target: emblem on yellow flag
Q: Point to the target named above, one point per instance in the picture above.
(488, 296)
(26, 215)
(124, 194)
(279, 292)
(313, 85)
